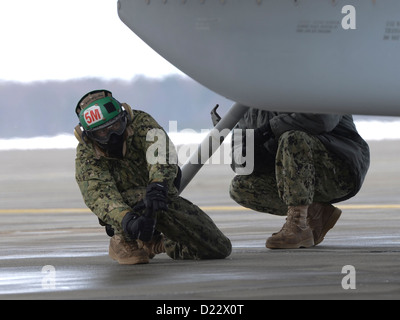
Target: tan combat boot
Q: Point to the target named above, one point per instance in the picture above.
(321, 218)
(295, 233)
(155, 246)
(127, 252)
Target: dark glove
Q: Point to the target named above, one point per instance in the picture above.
(156, 197)
(108, 227)
(138, 227)
(263, 134)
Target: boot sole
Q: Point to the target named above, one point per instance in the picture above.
(329, 225)
(307, 243)
(132, 260)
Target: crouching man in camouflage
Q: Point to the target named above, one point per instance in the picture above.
(137, 199)
(302, 164)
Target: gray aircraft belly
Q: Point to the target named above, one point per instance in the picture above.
(282, 55)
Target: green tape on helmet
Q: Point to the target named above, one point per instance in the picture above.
(99, 112)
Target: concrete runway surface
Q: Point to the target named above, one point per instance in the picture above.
(53, 248)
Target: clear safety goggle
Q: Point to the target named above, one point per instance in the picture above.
(103, 133)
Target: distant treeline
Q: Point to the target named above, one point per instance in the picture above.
(48, 108)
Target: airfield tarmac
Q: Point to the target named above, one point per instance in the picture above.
(53, 248)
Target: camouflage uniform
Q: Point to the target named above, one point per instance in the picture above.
(112, 187)
(313, 158)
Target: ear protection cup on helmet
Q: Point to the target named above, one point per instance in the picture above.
(79, 134)
(129, 112)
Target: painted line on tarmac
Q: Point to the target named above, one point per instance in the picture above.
(45, 210)
(204, 208)
(343, 207)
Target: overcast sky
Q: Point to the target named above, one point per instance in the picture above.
(66, 39)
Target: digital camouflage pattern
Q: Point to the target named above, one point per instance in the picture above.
(303, 173)
(112, 187)
(310, 158)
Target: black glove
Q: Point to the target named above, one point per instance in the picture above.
(156, 197)
(138, 227)
(263, 134)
